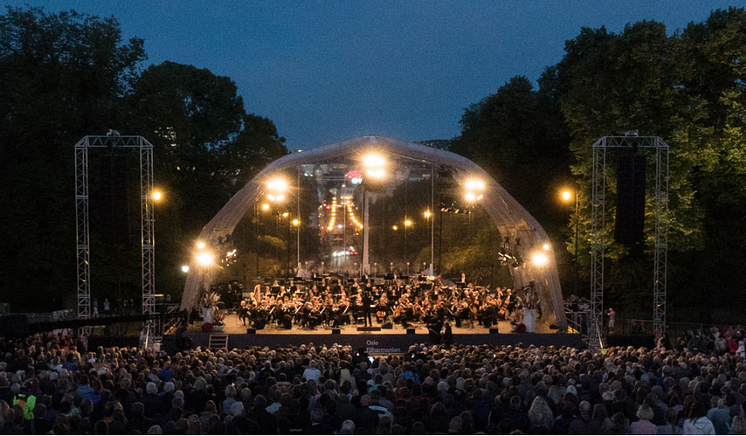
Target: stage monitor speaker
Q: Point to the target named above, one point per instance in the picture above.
(410, 331)
(14, 326)
(336, 331)
(493, 331)
(630, 200)
(387, 326)
(250, 331)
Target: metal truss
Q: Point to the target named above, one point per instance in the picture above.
(147, 223)
(81, 239)
(661, 237)
(598, 239)
(598, 233)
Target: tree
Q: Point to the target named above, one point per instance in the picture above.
(518, 136)
(206, 148)
(62, 76)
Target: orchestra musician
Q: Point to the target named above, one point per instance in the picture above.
(406, 303)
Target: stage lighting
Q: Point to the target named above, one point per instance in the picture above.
(205, 259)
(539, 259)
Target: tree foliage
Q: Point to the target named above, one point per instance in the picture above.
(688, 88)
(67, 75)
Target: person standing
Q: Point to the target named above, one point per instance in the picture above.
(95, 307)
(529, 311)
(107, 307)
(367, 311)
(612, 318)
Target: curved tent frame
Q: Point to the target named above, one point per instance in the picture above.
(510, 218)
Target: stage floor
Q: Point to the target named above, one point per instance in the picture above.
(234, 326)
(385, 341)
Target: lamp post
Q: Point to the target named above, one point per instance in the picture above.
(431, 225)
(567, 196)
(296, 223)
(407, 224)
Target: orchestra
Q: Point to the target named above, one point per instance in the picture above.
(329, 302)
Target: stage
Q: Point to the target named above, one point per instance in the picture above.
(395, 340)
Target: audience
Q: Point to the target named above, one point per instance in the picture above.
(49, 385)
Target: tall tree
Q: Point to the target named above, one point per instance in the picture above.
(206, 148)
(62, 76)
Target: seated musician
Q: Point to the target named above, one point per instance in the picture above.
(344, 311)
(258, 317)
(243, 311)
(382, 307)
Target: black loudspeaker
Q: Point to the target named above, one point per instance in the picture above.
(109, 198)
(250, 331)
(494, 331)
(387, 325)
(630, 200)
(14, 326)
(336, 331)
(410, 331)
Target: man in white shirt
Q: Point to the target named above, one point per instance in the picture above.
(312, 373)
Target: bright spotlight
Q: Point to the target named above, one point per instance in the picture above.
(546, 246)
(280, 197)
(470, 197)
(285, 215)
(296, 222)
(408, 223)
(479, 185)
(265, 206)
(277, 185)
(395, 228)
(157, 195)
(205, 259)
(470, 184)
(201, 245)
(539, 259)
(427, 214)
(374, 160)
(185, 268)
(566, 195)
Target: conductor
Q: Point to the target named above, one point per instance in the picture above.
(367, 308)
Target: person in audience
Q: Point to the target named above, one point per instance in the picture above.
(444, 388)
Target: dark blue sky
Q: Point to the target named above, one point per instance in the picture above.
(333, 70)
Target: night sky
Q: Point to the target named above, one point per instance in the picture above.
(330, 71)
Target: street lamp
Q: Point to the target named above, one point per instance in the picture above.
(157, 195)
(296, 223)
(407, 223)
(428, 214)
(567, 196)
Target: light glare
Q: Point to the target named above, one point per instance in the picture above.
(205, 259)
(540, 259)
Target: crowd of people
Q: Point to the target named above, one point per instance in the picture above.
(48, 384)
(337, 302)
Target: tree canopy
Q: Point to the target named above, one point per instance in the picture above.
(686, 87)
(66, 75)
